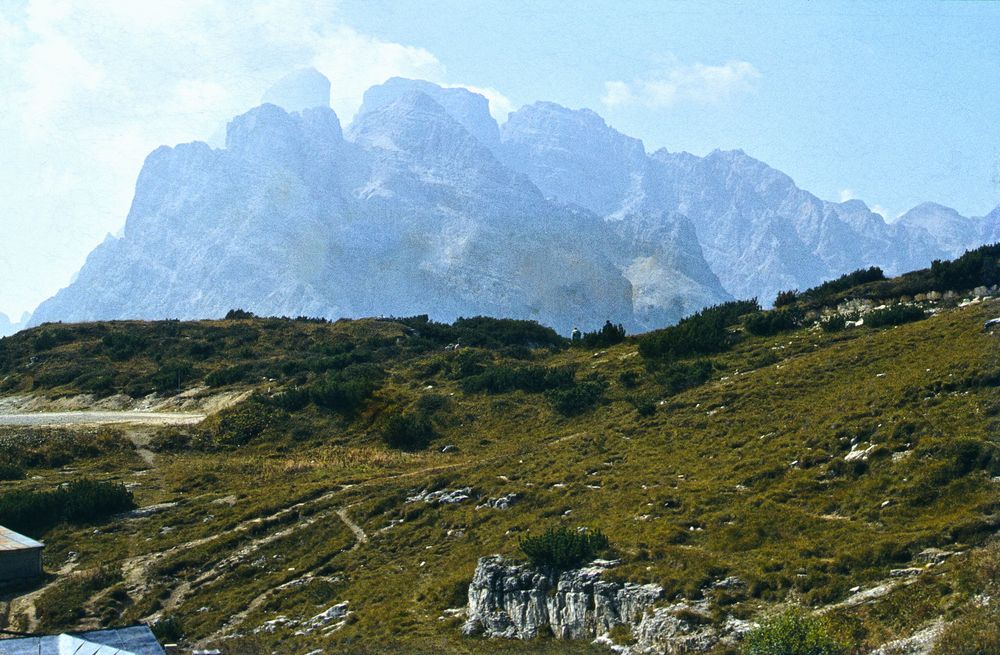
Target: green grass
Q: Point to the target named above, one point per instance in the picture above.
(743, 473)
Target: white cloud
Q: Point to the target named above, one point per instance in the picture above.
(697, 83)
(355, 62)
(847, 194)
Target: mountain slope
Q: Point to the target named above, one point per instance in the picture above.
(813, 468)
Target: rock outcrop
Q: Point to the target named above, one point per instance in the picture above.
(514, 601)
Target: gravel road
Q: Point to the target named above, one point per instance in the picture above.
(100, 418)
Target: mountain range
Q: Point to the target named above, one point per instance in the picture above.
(424, 204)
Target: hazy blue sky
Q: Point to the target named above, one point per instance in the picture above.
(893, 103)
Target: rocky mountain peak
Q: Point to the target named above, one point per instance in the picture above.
(471, 110)
(299, 90)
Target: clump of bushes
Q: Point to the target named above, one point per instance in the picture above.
(793, 633)
(679, 376)
(228, 375)
(765, 324)
(608, 335)
(81, 501)
(346, 391)
(561, 548)
(577, 398)
(786, 298)
(408, 431)
(828, 291)
(834, 323)
(703, 333)
(242, 423)
(895, 315)
(531, 378)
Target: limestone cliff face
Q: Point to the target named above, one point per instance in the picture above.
(513, 601)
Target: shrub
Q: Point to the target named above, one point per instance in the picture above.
(679, 376)
(82, 501)
(168, 629)
(243, 422)
(224, 376)
(561, 548)
(895, 315)
(347, 390)
(828, 291)
(577, 398)
(410, 431)
(608, 335)
(703, 333)
(765, 324)
(85, 501)
(10, 471)
(786, 298)
(834, 323)
(531, 378)
(793, 633)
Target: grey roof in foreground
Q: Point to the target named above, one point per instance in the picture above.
(10, 540)
(136, 640)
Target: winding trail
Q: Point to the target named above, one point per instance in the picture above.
(359, 534)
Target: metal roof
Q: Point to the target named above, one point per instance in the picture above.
(135, 640)
(10, 540)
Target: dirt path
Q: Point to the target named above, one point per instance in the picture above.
(359, 534)
(49, 419)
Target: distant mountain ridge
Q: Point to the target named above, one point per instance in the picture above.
(426, 205)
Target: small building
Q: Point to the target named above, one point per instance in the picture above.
(20, 556)
(134, 640)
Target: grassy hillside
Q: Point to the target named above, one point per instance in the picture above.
(729, 460)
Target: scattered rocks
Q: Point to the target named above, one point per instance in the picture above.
(905, 572)
(442, 496)
(933, 555)
(328, 621)
(858, 453)
(503, 502)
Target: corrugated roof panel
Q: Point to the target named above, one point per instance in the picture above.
(10, 540)
(137, 640)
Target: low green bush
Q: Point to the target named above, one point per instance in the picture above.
(608, 335)
(563, 548)
(679, 376)
(81, 501)
(765, 324)
(834, 323)
(793, 633)
(703, 333)
(243, 422)
(408, 431)
(895, 315)
(577, 398)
